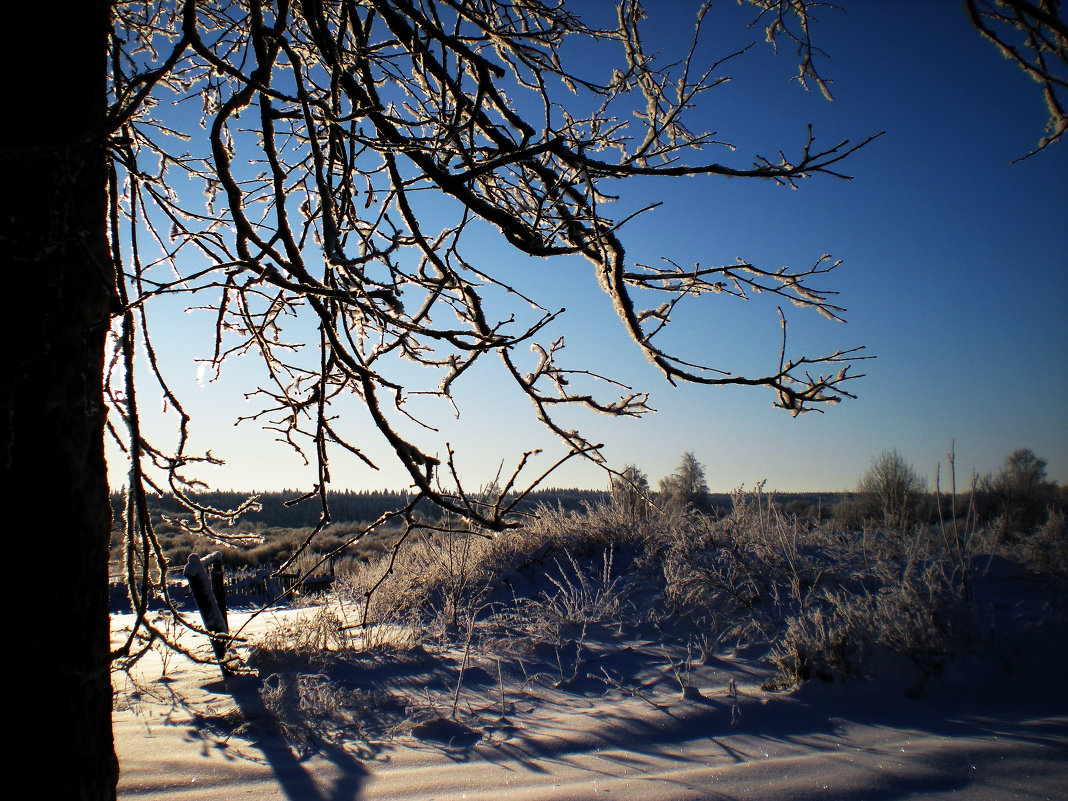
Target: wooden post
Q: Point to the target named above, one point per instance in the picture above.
(218, 585)
(206, 592)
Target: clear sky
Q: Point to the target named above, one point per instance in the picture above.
(954, 274)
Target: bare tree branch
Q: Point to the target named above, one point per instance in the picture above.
(1033, 35)
(322, 138)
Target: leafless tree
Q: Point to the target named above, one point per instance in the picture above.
(1019, 495)
(52, 413)
(629, 490)
(278, 163)
(1033, 35)
(892, 489)
(327, 126)
(686, 488)
(330, 166)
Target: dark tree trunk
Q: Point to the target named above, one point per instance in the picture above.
(56, 271)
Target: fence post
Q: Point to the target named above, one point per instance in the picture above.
(210, 596)
(218, 586)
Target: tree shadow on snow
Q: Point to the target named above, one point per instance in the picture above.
(296, 780)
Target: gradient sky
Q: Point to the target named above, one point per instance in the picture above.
(954, 274)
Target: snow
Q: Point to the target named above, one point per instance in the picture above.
(391, 724)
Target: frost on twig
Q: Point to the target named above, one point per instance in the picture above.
(333, 167)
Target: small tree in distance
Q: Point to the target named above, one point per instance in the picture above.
(1019, 495)
(686, 487)
(891, 490)
(630, 491)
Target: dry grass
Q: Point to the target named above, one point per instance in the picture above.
(810, 600)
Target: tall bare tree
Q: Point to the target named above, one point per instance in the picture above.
(280, 163)
(316, 132)
(52, 413)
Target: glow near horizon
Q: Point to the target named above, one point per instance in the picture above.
(954, 276)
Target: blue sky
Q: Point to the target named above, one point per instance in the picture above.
(954, 274)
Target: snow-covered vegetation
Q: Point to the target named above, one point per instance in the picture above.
(638, 630)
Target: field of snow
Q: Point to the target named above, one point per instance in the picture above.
(611, 721)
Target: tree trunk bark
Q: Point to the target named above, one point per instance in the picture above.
(57, 268)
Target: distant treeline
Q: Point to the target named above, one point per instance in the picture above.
(365, 505)
(345, 506)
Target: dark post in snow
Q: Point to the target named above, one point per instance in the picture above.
(210, 596)
(218, 585)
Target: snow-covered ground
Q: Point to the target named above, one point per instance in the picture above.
(607, 721)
